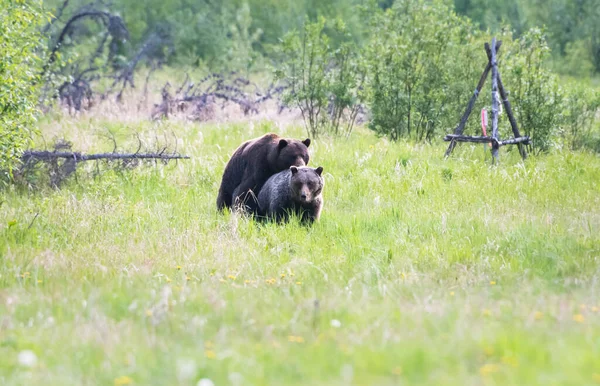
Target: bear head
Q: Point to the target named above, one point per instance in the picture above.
(289, 152)
(306, 184)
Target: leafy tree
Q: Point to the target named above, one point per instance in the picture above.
(20, 66)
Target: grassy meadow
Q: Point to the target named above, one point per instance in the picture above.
(421, 271)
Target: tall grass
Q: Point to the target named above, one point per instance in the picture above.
(421, 270)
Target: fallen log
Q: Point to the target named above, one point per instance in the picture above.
(45, 155)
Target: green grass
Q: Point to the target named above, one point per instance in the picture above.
(426, 271)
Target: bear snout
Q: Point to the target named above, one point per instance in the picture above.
(305, 195)
(299, 162)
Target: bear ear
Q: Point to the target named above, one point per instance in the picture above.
(306, 142)
(282, 143)
(319, 170)
(294, 169)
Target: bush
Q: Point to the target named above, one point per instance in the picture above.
(325, 84)
(417, 68)
(534, 89)
(580, 115)
(20, 67)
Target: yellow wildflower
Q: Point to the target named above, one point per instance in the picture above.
(297, 339)
(511, 361)
(578, 318)
(488, 369)
(210, 354)
(123, 380)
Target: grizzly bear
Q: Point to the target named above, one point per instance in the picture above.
(253, 163)
(296, 190)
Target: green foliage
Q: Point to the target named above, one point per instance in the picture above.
(20, 67)
(325, 84)
(567, 22)
(580, 117)
(417, 69)
(534, 89)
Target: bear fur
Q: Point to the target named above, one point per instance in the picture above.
(296, 190)
(253, 163)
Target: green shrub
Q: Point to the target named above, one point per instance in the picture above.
(534, 90)
(20, 66)
(325, 84)
(580, 116)
(417, 68)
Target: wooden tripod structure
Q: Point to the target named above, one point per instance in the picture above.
(492, 54)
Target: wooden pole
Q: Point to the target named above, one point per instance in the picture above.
(507, 106)
(494, 63)
(463, 120)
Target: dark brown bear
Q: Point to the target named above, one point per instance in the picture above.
(253, 163)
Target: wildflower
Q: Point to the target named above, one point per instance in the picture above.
(205, 382)
(188, 278)
(538, 315)
(246, 281)
(451, 293)
(210, 354)
(297, 339)
(282, 275)
(335, 323)
(168, 280)
(578, 318)
(298, 282)
(492, 282)
(595, 309)
(27, 358)
(39, 281)
(488, 369)
(123, 380)
(179, 267)
(486, 312)
(509, 360)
